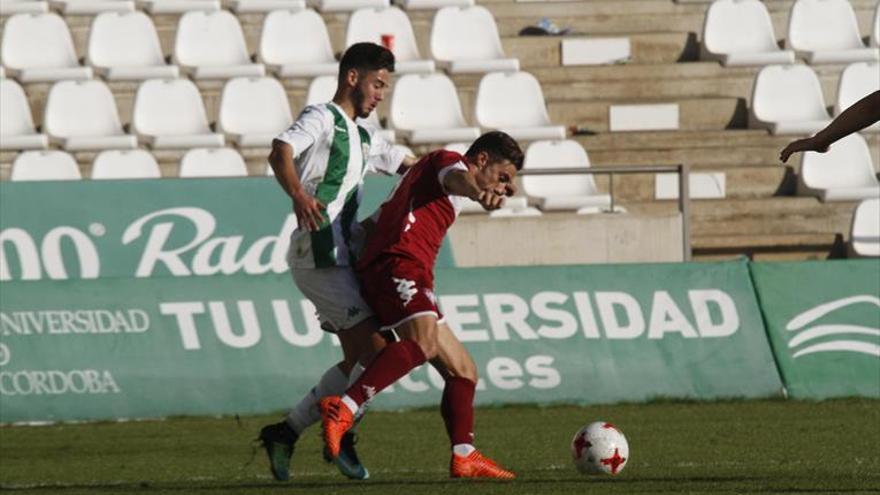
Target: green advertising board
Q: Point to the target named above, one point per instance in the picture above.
(117, 347)
(823, 319)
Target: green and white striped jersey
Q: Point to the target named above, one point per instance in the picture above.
(332, 154)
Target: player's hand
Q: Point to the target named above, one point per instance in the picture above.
(490, 200)
(308, 211)
(801, 145)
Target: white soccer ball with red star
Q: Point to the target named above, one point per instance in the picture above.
(599, 448)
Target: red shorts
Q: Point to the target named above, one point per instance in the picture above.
(398, 290)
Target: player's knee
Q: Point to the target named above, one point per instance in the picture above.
(429, 348)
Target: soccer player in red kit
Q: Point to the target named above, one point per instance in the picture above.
(397, 281)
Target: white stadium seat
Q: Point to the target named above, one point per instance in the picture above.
(249, 6)
(865, 231)
(827, 32)
(253, 111)
(875, 33)
(125, 164)
(844, 173)
(38, 48)
(562, 192)
(284, 53)
(44, 165)
(177, 6)
(125, 46)
(16, 123)
(346, 5)
(210, 45)
(432, 4)
(787, 99)
(11, 7)
(86, 7)
(82, 115)
(169, 113)
(857, 81)
(371, 24)
(215, 162)
(740, 32)
(465, 40)
(527, 119)
(321, 90)
(425, 108)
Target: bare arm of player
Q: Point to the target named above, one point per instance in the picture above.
(307, 208)
(462, 183)
(860, 115)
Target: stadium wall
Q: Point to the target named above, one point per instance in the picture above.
(186, 308)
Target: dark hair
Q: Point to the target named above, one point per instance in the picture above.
(499, 146)
(366, 57)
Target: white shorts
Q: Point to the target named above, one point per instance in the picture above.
(336, 294)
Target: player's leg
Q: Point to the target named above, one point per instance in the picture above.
(417, 344)
(336, 297)
(457, 367)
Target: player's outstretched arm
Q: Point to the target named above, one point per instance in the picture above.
(462, 183)
(307, 208)
(860, 115)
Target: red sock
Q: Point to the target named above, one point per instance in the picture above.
(457, 408)
(391, 364)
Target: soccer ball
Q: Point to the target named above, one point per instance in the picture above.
(599, 448)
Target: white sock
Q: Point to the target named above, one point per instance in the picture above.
(306, 413)
(463, 449)
(351, 404)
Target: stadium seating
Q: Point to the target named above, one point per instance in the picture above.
(857, 81)
(11, 7)
(527, 119)
(827, 31)
(787, 99)
(465, 40)
(44, 165)
(421, 118)
(282, 50)
(253, 111)
(844, 173)
(250, 6)
(82, 115)
(372, 24)
(432, 4)
(216, 162)
(169, 113)
(125, 46)
(740, 32)
(17, 130)
(346, 5)
(125, 164)
(177, 6)
(86, 7)
(210, 45)
(875, 34)
(562, 192)
(39, 48)
(865, 230)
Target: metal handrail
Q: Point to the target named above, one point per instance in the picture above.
(682, 170)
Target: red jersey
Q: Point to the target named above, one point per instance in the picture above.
(414, 219)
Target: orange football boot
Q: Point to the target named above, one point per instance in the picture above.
(476, 465)
(336, 419)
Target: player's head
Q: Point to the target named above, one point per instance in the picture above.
(364, 75)
(496, 157)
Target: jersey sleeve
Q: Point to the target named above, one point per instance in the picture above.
(384, 157)
(310, 127)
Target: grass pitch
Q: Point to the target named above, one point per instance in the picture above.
(721, 447)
